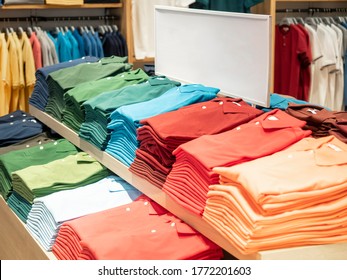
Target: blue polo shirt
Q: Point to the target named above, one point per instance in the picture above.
(126, 119)
(80, 42)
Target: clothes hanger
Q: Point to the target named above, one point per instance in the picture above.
(115, 27)
(326, 20)
(29, 31)
(286, 21)
(20, 31)
(300, 20)
(101, 30)
(91, 28)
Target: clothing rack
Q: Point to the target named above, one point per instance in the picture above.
(312, 11)
(35, 19)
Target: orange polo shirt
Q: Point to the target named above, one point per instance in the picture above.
(230, 211)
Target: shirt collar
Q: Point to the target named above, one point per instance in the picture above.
(238, 106)
(162, 80)
(331, 152)
(180, 226)
(327, 150)
(309, 112)
(135, 75)
(197, 87)
(277, 119)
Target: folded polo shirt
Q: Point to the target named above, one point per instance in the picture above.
(36, 140)
(40, 154)
(67, 173)
(192, 173)
(126, 119)
(278, 101)
(98, 109)
(49, 212)
(18, 126)
(321, 121)
(317, 168)
(73, 113)
(150, 230)
(62, 80)
(39, 97)
(20, 206)
(234, 216)
(162, 134)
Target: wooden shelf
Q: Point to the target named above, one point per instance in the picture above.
(310, 1)
(329, 252)
(16, 243)
(41, 7)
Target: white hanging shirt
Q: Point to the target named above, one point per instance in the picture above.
(143, 24)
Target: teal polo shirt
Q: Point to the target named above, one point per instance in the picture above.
(98, 109)
(238, 6)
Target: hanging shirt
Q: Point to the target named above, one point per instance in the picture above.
(36, 47)
(325, 64)
(98, 45)
(80, 42)
(5, 72)
(16, 68)
(292, 57)
(94, 47)
(337, 102)
(317, 54)
(143, 24)
(29, 71)
(75, 53)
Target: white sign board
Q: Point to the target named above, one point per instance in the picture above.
(229, 51)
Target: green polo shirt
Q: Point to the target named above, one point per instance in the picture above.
(35, 155)
(98, 109)
(67, 173)
(73, 113)
(63, 80)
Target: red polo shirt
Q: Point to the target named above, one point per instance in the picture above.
(292, 60)
(141, 230)
(192, 173)
(161, 134)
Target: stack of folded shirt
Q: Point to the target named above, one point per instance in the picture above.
(18, 126)
(162, 134)
(35, 140)
(296, 197)
(59, 82)
(278, 101)
(49, 212)
(73, 114)
(126, 119)
(143, 226)
(39, 154)
(39, 96)
(63, 174)
(192, 173)
(321, 121)
(99, 108)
